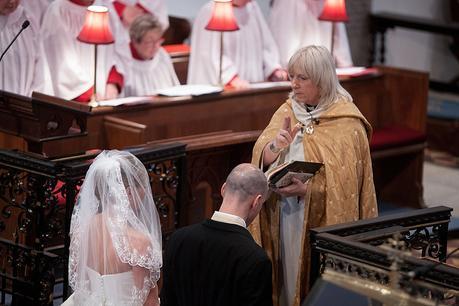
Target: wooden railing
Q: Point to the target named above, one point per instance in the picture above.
(362, 249)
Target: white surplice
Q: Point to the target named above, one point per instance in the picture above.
(71, 62)
(294, 24)
(37, 7)
(142, 78)
(23, 69)
(250, 52)
(155, 7)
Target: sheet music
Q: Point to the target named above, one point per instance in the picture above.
(189, 90)
(349, 70)
(262, 85)
(125, 101)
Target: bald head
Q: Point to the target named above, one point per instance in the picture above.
(246, 181)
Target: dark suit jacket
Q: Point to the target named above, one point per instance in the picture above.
(215, 264)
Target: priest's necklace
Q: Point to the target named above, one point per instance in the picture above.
(309, 129)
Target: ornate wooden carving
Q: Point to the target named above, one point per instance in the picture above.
(360, 249)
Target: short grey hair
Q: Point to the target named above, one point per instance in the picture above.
(142, 25)
(317, 63)
(245, 181)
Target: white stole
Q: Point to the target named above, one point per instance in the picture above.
(292, 212)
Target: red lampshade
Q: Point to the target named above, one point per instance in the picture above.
(334, 10)
(222, 17)
(96, 28)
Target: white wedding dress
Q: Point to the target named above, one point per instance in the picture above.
(113, 289)
(115, 249)
(110, 290)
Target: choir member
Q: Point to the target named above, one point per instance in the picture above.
(250, 54)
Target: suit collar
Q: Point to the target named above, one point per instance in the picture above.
(228, 218)
(227, 227)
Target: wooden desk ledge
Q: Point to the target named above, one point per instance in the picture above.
(212, 139)
(396, 140)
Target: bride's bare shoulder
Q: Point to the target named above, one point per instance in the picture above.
(139, 241)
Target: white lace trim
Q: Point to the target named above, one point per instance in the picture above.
(118, 221)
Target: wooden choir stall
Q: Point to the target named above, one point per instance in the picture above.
(393, 100)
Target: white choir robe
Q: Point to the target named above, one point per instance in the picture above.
(155, 7)
(294, 24)
(71, 62)
(37, 7)
(23, 69)
(250, 52)
(121, 33)
(143, 78)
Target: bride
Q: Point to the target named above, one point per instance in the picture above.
(115, 250)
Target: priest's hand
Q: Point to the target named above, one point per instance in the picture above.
(278, 75)
(295, 189)
(286, 134)
(283, 139)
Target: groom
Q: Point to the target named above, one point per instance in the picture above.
(217, 262)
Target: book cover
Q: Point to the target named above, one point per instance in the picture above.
(281, 175)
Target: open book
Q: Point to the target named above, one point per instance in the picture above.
(189, 90)
(354, 72)
(281, 175)
(125, 101)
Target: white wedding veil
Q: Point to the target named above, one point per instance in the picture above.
(115, 231)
